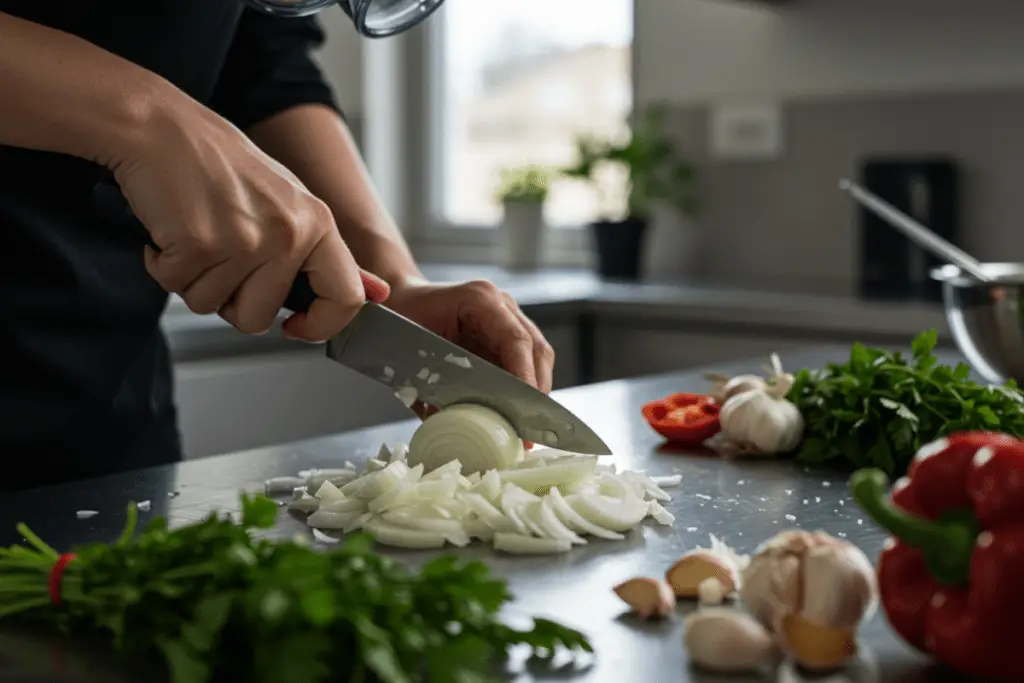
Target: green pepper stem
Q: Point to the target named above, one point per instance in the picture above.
(947, 544)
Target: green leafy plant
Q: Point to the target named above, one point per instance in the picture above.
(528, 184)
(654, 170)
(217, 604)
(878, 408)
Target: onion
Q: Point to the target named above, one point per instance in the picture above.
(610, 513)
(401, 537)
(305, 504)
(515, 544)
(544, 503)
(476, 436)
(540, 479)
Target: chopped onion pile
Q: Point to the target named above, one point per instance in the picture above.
(545, 503)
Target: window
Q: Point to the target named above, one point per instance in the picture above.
(519, 81)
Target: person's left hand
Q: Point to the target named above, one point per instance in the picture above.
(482, 319)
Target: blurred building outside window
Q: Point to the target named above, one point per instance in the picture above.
(520, 81)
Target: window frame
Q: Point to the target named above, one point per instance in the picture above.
(433, 238)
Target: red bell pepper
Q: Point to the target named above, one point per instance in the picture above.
(952, 576)
(683, 419)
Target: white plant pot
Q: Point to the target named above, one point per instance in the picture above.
(673, 247)
(521, 235)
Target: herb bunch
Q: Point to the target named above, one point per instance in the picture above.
(217, 604)
(878, 408)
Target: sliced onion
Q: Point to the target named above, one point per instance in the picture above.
(459, 539)
(614, 487)
(393, 498)
(357, 522)
(450, 468)
(478, 529)
(610, 513)
(489, 486)
(453, 507)
(279, 485)
(375, 465)
(488, 513)
(343, 505)
(328, 492)
(445, 526)
(508, 508)
(564, 473)
(369, 487)
(304, 505)
(575, 522)
(516, 544)
(436, 490)
(324, 538)
(660, 514)
(331, 520)
(545, 516)
(401, 537)
(667, 481)
(526, 515)
(476, 436)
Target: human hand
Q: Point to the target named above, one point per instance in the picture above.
(233, 226)
(482, 319)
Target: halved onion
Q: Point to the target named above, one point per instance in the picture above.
(476, 436)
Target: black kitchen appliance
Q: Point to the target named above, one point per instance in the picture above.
(927, 190)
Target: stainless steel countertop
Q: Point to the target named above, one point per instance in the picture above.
(743, 503)
(559, 295)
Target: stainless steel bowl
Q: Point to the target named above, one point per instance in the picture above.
(987, 318)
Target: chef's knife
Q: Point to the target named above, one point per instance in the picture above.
(418, 364)
(415, 362)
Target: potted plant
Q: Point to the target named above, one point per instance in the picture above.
(522, 194)
(653, 174)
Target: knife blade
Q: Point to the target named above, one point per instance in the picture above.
(412, 360)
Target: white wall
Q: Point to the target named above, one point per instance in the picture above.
(693, 51)
(342, 60)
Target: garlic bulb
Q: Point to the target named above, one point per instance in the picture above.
(823, 580)
(723, 387)
(764, 419)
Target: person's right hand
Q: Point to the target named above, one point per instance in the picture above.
(233, 226)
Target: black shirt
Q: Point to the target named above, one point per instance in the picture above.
(85, 381)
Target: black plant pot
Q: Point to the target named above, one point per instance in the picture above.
(619, 246)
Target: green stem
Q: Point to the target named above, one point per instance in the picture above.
(947, 544)
(37, 543)
(129, 526)
(23, 606)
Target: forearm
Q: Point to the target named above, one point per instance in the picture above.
(63, 94)
(315, 144)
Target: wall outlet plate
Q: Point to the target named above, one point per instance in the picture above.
(746, 131)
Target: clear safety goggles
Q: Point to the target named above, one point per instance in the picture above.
(372, 18)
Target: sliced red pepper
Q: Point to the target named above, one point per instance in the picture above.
(952, 578)
(683, 419)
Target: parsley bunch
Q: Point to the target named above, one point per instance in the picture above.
(217, 604)
(878, 408)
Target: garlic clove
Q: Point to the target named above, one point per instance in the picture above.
(686, 575)
(711, 592)
(840, 587)
(724, 640)
(648, 598)
(771, 586)
(815, 646)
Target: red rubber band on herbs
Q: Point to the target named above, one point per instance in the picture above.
(57, 576)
